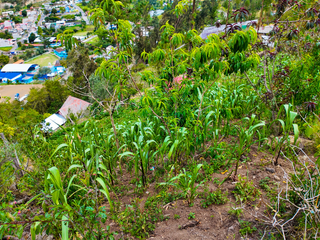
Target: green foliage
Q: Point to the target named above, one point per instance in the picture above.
(32, 37)
(191, 215)
(4, 60)
(237, 212)
(186, 181)
(137, 222)
(49, 98)
(6, 35)
(287, 125)
(245, 190)
(191, 105)
(216, 198)
(246, 228)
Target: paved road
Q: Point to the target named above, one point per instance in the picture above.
(84, 17)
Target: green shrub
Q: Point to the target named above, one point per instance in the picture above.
(215, 197)
(245, 190)
(245, 228)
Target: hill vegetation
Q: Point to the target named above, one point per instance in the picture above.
(188, 138)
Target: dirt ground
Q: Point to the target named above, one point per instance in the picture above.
(11, 90)
(214, 222)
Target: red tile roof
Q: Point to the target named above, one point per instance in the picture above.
(35, 45)
(59, 50)
(73, 105)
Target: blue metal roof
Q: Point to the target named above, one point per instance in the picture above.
(9, 75)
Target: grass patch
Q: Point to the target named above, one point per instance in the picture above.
(44, 60)
(84, 33)
(89, 28)
(94, 41)
(5, 48)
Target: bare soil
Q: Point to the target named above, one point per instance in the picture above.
(11, 90)
(215, 222)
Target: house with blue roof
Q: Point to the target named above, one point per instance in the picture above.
(23, 73)
(57, 69)
(61, 53)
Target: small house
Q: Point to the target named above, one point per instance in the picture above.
(57, 69)
(72, 105)
(61, 53)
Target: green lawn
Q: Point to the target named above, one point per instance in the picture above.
(80, 33)
(44, 60)
(93, 41)
(5, 48)
(89, 28)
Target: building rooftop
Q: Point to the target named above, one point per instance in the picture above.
(73, 105)
(216, 30)
(10, 76)
(16, 68)
(53, 122)
(59, 50)
(57, 64)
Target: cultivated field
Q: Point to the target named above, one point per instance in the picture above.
(44, 60)
(11, 90)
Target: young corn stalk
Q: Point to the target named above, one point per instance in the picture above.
(186, 181)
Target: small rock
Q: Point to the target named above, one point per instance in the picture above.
(270, 170)
(147, 192)
(231, 228)
(254, 177)
(276, 178)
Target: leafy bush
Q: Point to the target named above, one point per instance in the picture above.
(137, 222)
(246, 228)
(215, 197)
(245, 190)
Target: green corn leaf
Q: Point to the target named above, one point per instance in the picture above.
(54, 175)
(296, 132)
(105, 191)
(65, 228)
(58, 148)
(292, 116)
(282, 124)
(70, 183)
(74, 166)
(33, 230)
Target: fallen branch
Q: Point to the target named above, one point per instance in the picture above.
(21, 201)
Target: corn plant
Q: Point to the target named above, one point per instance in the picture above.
(142, 156)
(180, 144)
(246, 138)
(164, 148)
(54, 187)
(109, 157)
(186, 181)
(287, 125)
